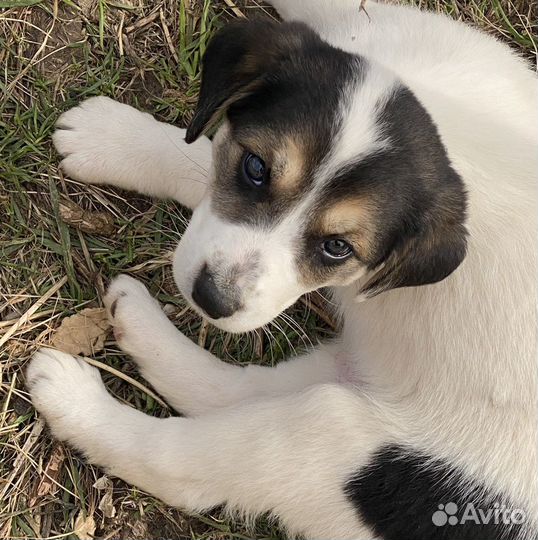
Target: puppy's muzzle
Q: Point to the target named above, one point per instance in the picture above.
(216, 301)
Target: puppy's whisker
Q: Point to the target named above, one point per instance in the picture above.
(281, 330)
(325, 298)
(196, 164)
(265, 329)
(297, 327)
(308, 298)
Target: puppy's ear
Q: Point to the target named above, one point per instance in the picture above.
(427, 254)
(236, 62)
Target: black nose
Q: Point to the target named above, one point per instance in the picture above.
(213, 301)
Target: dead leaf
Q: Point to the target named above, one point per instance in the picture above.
(47, 484)
(103, 483)
(83, 333)
(106, 503)
(84, 527)
(85, 220)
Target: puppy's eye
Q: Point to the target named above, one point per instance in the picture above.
(336, 248)
(254, 169)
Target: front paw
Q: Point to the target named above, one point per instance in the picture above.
(135, 316)
(99, 141)
(68, 392)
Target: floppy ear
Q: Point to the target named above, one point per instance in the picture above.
(236, 62)
(428, 255)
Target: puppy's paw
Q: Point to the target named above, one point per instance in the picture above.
(136, 317)
(100, 140)
(68, 392)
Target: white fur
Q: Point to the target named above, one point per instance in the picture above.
(360, 134)
(270, 253)
(107, 142)
(449, 368)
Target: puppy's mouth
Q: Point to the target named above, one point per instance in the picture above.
(242, 319)
(229, 314)
(236, 322)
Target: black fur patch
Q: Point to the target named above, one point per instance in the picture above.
(300, 101)
(399, 493)
(420, 201)
(275, 82)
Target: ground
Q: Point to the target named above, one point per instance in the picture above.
(55, 259)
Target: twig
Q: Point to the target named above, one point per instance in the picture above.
(120, 33)
(259, 343)
(321, 313)
(26, 316)
(168, 37)
(39, 315)
(235, 10)
(140, 23)
(202, 336)
(35, 433)
(42, 47)
(362, 8)
(126, 378)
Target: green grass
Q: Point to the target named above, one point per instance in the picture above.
(53, 54)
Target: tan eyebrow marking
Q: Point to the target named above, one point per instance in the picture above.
(352, 218)
(289, 166)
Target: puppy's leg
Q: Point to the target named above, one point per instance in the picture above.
(105, 142)
(290, 455)
(192, 380)
(313, 10)
(338, 21)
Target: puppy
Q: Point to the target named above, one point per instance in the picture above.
(390, 157)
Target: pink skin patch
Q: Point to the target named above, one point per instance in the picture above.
(344, 367)
(118, 333)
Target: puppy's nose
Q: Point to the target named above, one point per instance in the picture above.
(213, 301)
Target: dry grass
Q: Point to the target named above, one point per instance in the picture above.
(53, 54)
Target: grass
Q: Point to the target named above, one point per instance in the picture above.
(53, 54)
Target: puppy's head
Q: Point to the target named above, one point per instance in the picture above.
(327, 171)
